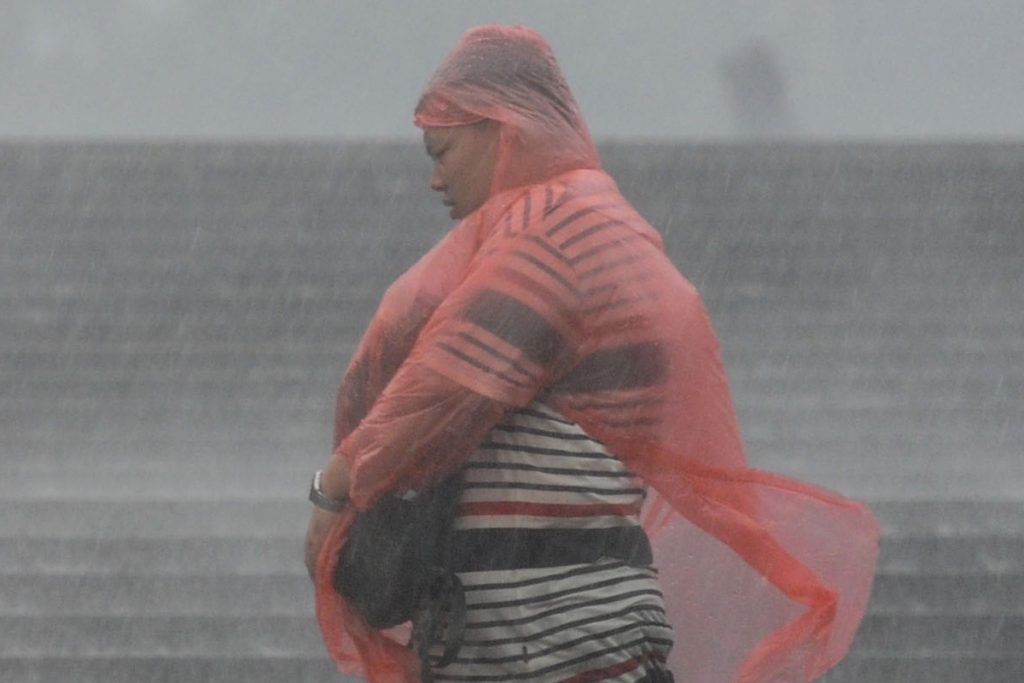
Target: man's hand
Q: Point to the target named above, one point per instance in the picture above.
(320, 523)
(334, 483)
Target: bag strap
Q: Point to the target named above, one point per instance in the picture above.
(454, 596)
(446, 612)
(445, 608)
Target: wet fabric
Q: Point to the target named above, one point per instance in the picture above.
(556, 567)
(556, 290)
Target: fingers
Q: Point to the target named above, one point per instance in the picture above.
(320, 523)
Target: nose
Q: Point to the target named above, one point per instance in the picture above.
(436, 182)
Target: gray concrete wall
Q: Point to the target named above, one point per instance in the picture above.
(174, 319)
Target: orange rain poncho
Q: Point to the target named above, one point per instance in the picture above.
(557, 290)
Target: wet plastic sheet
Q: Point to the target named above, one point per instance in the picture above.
(557, 289)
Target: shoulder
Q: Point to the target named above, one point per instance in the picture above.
(560, 208)
(590, 216)
(568, 226)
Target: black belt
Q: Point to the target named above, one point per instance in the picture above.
(488, 549)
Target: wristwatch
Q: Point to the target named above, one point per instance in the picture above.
(322, 500)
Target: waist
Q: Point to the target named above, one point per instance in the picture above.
(520, 548)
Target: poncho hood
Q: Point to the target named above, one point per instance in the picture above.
(509, 74)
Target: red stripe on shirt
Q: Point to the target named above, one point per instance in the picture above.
(506, 507)
(613, 670)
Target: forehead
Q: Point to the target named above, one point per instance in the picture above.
(435, 138)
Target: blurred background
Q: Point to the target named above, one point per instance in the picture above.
(809, 69)
(202, 202)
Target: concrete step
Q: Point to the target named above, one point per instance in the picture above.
(801, 442)
(306, 284)
(225, 469)
(253, 555)
(100, 256)
(901, 428)
(137, 636)
(177, 595)
(933, 668)
(311, 670)
(862, 471)
(128, 515)
(953, 554)
(203, 556)
(844, 349)
(90, 363)
(987, 594)
(943, 518)
(155, 669)
(204, 636)
(161, 519)
(944, 635)
(949, 594)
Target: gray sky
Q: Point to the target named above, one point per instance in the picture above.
(703, 69)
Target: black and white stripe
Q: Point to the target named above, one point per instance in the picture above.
(553, 623)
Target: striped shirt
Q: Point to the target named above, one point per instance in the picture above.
(541, 484)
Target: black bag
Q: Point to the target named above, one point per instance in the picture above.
(396, 567)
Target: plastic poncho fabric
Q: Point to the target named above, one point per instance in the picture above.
(557, 290)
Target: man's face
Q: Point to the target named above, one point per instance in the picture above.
(464, 159)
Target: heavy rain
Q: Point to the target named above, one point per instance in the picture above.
(201, 205)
